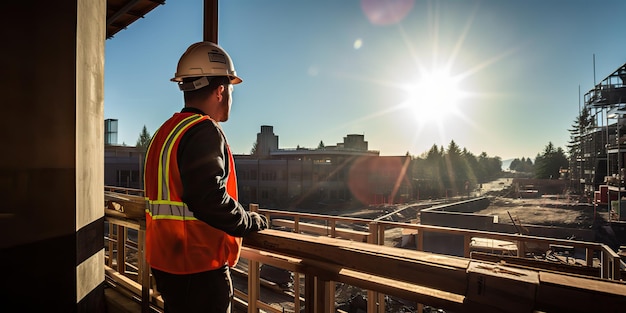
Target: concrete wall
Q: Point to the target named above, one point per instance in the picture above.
(51, 181)
(459, 214)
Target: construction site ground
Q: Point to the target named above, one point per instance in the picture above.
(547, 210)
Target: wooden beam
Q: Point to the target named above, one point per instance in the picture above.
(502, 288)
(422, 268)
(536, 264)
(323, 230)
(562, 293)
(210, 21)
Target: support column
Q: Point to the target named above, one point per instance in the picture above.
(51, 167)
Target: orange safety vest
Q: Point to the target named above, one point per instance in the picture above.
(177, 242)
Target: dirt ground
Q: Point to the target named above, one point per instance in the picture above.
(547, 211)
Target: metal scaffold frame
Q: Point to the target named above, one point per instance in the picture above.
(602, 145)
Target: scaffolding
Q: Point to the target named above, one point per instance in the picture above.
(599, 165)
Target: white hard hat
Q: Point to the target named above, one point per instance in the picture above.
(204, 59)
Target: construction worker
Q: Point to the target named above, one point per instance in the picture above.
(194, 223)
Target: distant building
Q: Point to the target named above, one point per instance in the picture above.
(266, 141)
(346, 172)
(123, 165)
(110, 132)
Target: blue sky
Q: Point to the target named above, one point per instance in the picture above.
(319, 70)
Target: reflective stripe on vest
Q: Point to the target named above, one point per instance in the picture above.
(166, 152)
(168, 210)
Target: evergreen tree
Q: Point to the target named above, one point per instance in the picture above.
(525, 165)
(144, 139)
(579, 128)
(440, 172)
(548, 164)
(253, 150)
(455, 169)
(321, 145)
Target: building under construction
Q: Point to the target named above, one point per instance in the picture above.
(600, 145)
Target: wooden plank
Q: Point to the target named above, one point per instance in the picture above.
(323, 230)
(404, 290)
(537, 264)
(503, 288)
(426, 269)
(563, 293)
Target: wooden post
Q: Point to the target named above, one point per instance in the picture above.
(380, 298)
(381, 302)
(617, 275)
(254, 285)
(210, 21)
(296, 224)
(121, 251)
(604, 273)
(381, 234)
(309, 293)
(372, 298)
(373, 229)
(419, 240)
(254, 277)
(144, 270)
(330, 296)
(110, 244)
(296, 292)
(467, 241)
(589, 257)
(521, 249)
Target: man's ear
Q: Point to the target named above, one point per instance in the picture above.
(220, 92)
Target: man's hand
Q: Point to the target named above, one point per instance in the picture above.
(259, 222)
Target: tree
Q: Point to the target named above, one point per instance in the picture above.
(549, 164)
(321, 145)
(525, 165)
(144, 139)
(455, 169)
(578, 130)
(437, 171)
(254, 150)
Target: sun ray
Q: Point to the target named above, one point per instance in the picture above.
(435, 98)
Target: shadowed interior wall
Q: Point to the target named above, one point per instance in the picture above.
(51, 170)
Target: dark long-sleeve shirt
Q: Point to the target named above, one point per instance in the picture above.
(203, 165)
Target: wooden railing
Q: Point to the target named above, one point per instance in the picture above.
(327, 226)
(318, 263)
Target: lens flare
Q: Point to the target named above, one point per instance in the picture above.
(386, 12)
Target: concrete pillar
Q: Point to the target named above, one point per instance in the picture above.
(51, 165)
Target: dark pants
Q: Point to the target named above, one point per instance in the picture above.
(204, 292)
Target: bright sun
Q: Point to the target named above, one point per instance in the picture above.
(433, 97)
